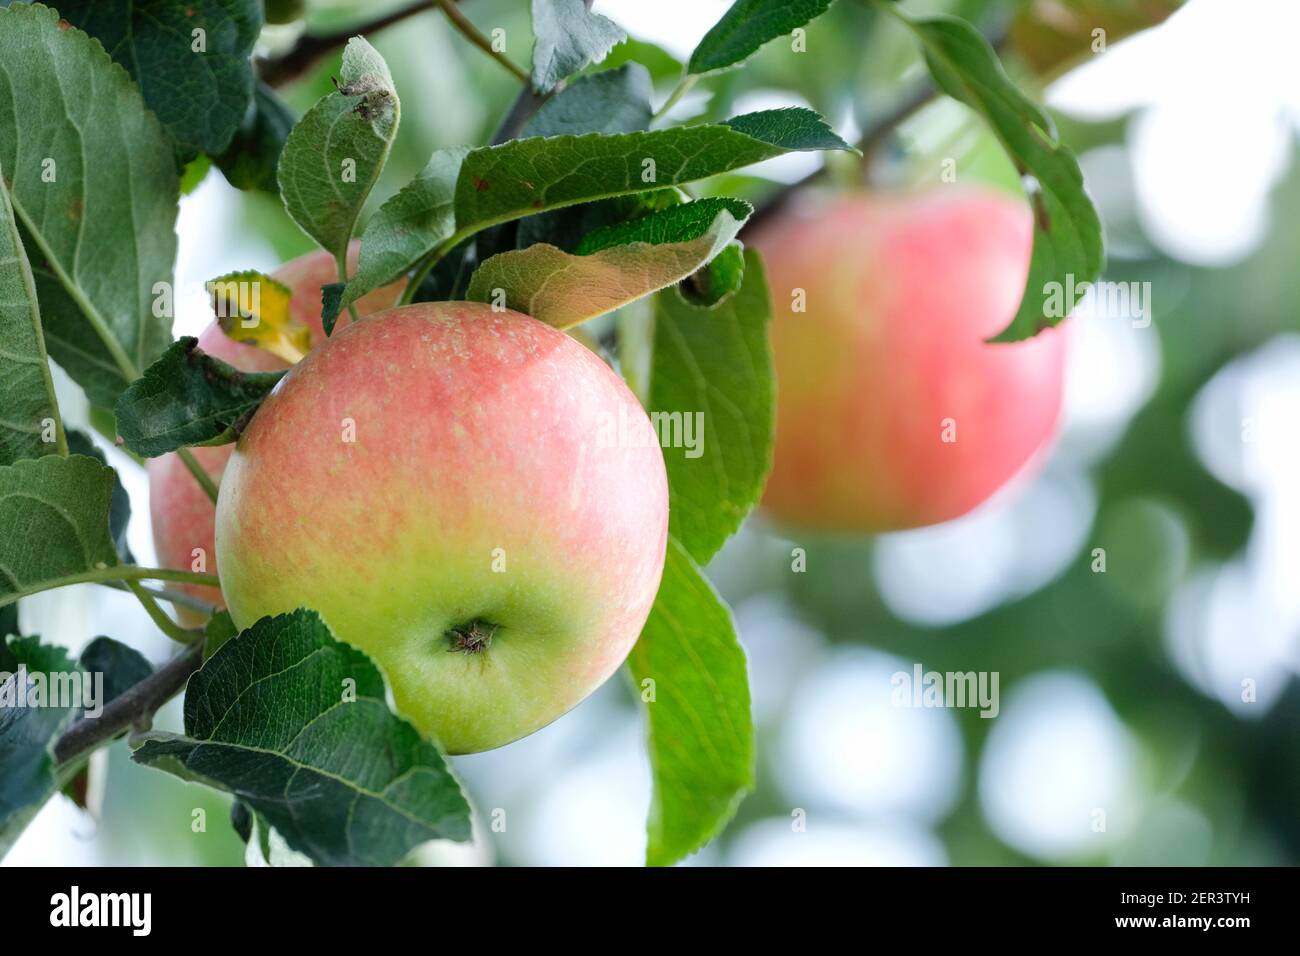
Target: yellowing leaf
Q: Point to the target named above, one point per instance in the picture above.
(253, 308)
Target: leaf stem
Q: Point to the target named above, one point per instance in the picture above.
(422, 270)
(178, 598)
(202, 477)
(115, 572)
(34, 313)
(341, 258)
(683, 87)
(75, 293)
(471, 33)
(156, 614)
(131, 707)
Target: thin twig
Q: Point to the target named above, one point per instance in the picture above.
(312, 48)
(131, 707)
(472, 34)
(156, 614)
(873, 137)
(202, 477)
(525, 106)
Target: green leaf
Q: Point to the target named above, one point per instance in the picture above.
(334, 155)
(119, 509)
(613, 101)
(195, 171)
(29, 410)
(527, 176)
(568, 38)
(9, 620)
(123, 667)
(1067, 230)
(613, 266)
(27, 733)
(719, 278)
(63, 503)
(663, 66)
(677, 223)
(701, 732)
(93, 182)
(186, 398)
(220, 628)
(714, 366)
(199, 94)
(420, 216)
(331, 304)
(252, 159)
(747, 26)
(285, 11)
(567, 227)
(293, 723)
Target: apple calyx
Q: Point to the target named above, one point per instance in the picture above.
(472, 637)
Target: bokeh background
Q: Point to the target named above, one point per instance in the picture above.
(1120, 691)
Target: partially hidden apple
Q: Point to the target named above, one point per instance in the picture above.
(893, 411)
(181, 513)
(440, 482)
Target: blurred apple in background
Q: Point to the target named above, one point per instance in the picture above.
(182, 514)
(893, 411)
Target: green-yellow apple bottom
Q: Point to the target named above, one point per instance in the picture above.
(436, 481)
(893, 411)
(181, 513)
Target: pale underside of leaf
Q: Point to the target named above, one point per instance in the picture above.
(564, 290)
(568, 38)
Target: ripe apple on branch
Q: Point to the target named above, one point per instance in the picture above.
(387, 461)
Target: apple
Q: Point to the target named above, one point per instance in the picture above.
(893, 411)
(440, 483)
(181, 513)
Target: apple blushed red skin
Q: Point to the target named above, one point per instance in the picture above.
(181, 513)
(493, 554)
(890, 358)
